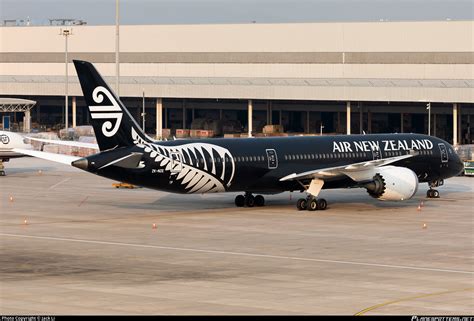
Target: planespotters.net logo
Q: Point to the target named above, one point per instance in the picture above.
(463, 318)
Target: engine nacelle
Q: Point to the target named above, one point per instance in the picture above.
(392, 183)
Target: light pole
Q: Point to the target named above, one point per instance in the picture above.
(428, 106)
(117, 49)
(143, 111)
(66, 33)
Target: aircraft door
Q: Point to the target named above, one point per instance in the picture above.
(444, 153)
(272, 159)
(176, 162)
(376, 153)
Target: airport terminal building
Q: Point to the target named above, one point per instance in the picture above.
(311, 78)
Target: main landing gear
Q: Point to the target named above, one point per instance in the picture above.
(311, 203)
(248, 200)
(433, 193)
(2, 169)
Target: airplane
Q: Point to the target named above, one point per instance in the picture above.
(8, 142)
(389, 166)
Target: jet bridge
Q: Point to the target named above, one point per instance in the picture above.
(15, 105)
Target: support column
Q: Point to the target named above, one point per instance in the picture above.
(307, 122)
(268, 113)
(271, 112)
(220, 114)
(455, 124)
(249, 117)
(74, 113)
(166, 117)
(369, 122)
(348, 117)
(184, 114)
(401, 123)
(280, 121)
(459, 124)
(338, 126)
(159, 118)
(27, 122)
(434, 125)
(468, 129)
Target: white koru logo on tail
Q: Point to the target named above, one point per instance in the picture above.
(113, 111)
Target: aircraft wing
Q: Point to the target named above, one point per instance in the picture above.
(351, 170)
(58, 158)
(65, 142)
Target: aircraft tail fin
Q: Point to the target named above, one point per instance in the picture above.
(113, 125)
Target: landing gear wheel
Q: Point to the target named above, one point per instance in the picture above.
(2, 173)
(249, 200)
(432, 193)
(301, 204)
(259, 200)
(322, 204)
(239, 201)
(313, 205)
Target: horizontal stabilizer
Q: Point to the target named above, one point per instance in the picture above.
(130, 161)
(58, 158)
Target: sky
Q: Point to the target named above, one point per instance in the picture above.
(102, 12)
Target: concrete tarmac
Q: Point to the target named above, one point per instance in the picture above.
(73, 244)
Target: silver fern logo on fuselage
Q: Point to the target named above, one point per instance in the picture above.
(200, 167)
(111, 112)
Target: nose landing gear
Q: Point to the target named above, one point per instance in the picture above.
(433, 193)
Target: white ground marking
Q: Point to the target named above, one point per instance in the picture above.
(57, 184)
(50, 238)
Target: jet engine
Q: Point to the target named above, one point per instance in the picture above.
(391, 183)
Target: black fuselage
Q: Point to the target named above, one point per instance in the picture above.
(258, 164)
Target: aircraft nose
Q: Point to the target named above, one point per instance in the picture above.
(457, 165)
